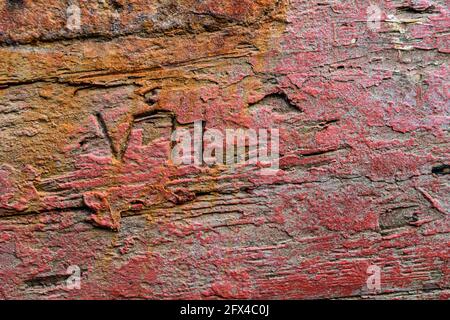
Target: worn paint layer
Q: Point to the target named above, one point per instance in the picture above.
(87, 179)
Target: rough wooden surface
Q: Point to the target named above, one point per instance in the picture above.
(85, 123)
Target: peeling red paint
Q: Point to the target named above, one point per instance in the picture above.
(87, 179)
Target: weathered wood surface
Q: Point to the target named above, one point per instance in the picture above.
(86, 178)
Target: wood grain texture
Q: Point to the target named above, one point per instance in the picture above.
(86, 177)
